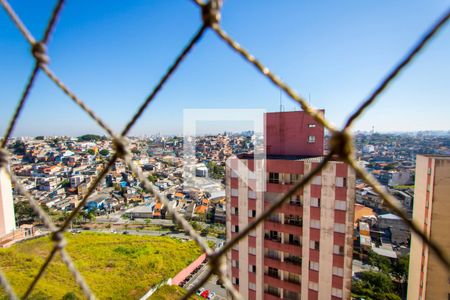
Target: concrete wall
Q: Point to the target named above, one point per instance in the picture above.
(437, 281)
(287, 134)
(432, 214)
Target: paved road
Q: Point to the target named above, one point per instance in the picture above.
(209, 285)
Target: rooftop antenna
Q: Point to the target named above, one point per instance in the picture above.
(281, 105)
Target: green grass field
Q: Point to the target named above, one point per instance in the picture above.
(115, 266)
(172, 292)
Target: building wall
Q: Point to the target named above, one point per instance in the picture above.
(7, 219)
(287, 134)
(328, 192)
(437, 281)
(427, 278)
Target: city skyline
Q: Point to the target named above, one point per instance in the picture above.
(336, 71)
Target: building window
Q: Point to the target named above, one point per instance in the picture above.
(294, 240)
(252, 250)
(273, 291)
(235, 263)
(313, 286)
(315, 245)
(252, 268)
(314, 265)
(234, 174)
(252, 233)
(273, 254)
(341, 181)
(234, 210)
(289, 295)
(235, 280)
(338, 271)
(234, 228)
(314, 224)
(293, 220)
(252, 286)
(251, 195)
(294, 278)
(234, 192)
(274, 178)
(315, 202)
(296, 200)
(339, 227)
(311, 139)
(296, 178)
(311, 125)
(273, 272)
(339, 250)
(317, 180)
(252, 213)
(340, 205)
(336, 292)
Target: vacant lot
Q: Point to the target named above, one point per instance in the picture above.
(115, 266)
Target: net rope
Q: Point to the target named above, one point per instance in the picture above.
(341, 145)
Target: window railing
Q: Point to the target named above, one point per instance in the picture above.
(272, 238)
(294, 242)
(295, 260)
(294, 222)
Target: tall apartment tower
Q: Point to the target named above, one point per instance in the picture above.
(304, 251)
(428, 279)
(7, 219)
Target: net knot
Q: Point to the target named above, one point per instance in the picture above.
(211, 12)
(59, 239)
(3, 158)
(341, 144)
(217, 263)
(39, 51)
(121, 146)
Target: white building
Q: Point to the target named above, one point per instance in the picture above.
(7, 219)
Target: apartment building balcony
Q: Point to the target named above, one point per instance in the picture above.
(273, 243)
(273, 225)
(292, 247)
(270, 295)
(282, 265)
(284, 284)
(274, 187)
(287, 208)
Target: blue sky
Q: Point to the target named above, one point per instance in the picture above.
(112, 53)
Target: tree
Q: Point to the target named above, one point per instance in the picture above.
(400, 272)
(70, 296)
(91, 151)
(90, 138)
(24, 212)
(152, 178)
(65, 183)
(374, 285)
(104, 152)
(382, 263)
(39, 138)
(19, 148)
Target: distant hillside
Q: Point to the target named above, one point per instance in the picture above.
(115, 266)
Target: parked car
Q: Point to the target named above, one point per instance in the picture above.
(200, 291)
(205, 294)
(211, 295)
